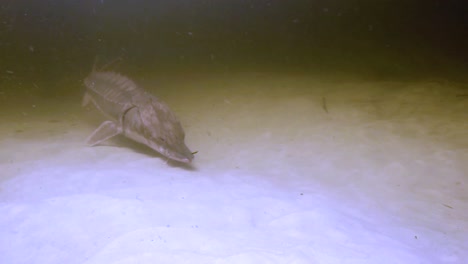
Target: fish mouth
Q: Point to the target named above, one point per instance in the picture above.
(184, 160)
(184, 156)
(180, 153)
(180, 159)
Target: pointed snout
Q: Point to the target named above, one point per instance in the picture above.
(185, 157)
(181, 153)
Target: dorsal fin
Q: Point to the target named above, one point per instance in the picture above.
(112, 87)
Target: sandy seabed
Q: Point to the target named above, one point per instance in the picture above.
(289, 169)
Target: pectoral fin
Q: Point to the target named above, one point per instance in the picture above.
(105, 131)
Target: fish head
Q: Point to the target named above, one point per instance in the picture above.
(164, 133)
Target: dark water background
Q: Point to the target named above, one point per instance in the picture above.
(45, 42)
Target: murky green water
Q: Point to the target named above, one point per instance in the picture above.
(49, 47)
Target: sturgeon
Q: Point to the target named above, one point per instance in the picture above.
(135, 114)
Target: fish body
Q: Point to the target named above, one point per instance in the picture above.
(136, 114)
